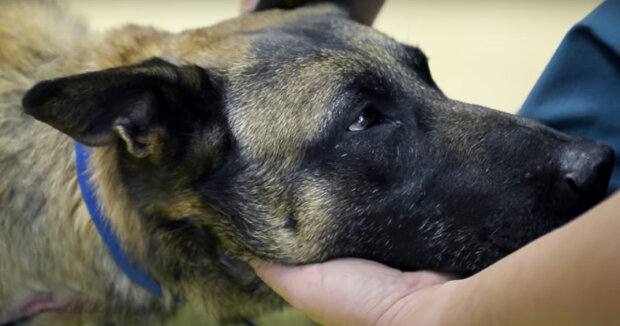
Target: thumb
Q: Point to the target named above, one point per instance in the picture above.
(343, 291)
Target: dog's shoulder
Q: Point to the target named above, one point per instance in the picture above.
(34, 32)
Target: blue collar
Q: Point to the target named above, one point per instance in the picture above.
(135, 273)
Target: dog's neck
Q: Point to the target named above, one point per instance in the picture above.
(154, 248)
(112, 195)
(104, 227)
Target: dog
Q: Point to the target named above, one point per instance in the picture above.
(292, 134)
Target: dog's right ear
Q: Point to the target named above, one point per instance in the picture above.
(132, 103)
(363, 11)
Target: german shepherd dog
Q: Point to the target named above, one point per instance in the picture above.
(288, 135)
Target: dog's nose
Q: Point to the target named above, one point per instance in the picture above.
(586, 167)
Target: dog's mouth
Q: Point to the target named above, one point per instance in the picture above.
(482, 228)
(584, 171)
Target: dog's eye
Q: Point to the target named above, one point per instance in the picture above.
(368, 118)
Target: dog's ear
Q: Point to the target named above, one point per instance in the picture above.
(133, 103)
(363, 11)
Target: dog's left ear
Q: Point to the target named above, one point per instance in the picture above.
(132, 103)
(363, 11)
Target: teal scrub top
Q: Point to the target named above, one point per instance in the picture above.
(579, 90)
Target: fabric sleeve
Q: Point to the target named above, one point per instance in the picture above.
(579, 90)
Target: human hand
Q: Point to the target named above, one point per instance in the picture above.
(361, 11)
(248, 6)
(358, 292)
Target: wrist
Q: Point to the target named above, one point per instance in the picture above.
(442, 304)
(456, 303)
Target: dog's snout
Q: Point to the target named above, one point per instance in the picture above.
(586, 167)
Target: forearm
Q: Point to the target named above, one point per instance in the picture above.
(568, 277)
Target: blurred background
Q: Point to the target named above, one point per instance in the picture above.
(488, 52)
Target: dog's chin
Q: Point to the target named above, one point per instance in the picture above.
(501, 244)
(491, 245)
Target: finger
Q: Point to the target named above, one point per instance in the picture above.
(422, 279)
(345, 291)
(364, 12)
(248, 6)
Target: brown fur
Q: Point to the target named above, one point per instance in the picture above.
(215, 146)
(42, 212)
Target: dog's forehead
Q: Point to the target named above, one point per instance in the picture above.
(326, 37)
(294, 76)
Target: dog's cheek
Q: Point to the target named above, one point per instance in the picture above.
(315, 222)
(299, 229)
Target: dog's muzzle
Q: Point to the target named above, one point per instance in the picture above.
(585, 168)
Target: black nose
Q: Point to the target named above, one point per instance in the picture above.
(586, 167)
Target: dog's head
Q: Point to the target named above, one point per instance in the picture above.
(300, 136)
